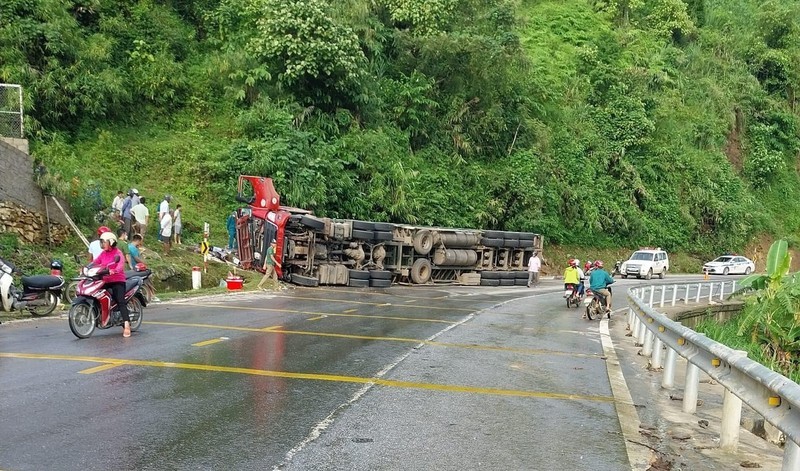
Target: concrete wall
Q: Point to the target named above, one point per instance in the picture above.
(19, 189)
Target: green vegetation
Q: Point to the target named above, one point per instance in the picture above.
(768, 327)
(603, 123)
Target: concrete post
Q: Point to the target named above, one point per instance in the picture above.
(647, 346)
(655, 360)
(690, 388)
(663, 292)
(674, 293)
(731, 416)
(686, 299)
(721, 290)
(641, 332)
(652, 290)
(668, 378)
(631, 316)
(791, 456)
(699, 285)
(710, 291)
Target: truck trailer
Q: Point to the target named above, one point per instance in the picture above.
(348, 252)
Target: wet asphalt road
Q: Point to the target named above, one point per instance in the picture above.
(446, 378)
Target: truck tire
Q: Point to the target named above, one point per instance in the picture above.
(358, 274)
(508, 275)
(493, 234)
(505, 282)
(421, 271)
(384, 226)
(304, 280)
(358, 283)
(527, 236)
(511, 243)
(521, 275)
(525, 243)
(490, 282)
(423, 242)
(490, 275)
(363, 226)
(380, 275)
(362, 234)
(492, 242)
(380, 283)
(521, 282)
(382, 236)
(312, 222)
(511, 235)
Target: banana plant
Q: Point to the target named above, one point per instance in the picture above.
(770, 313)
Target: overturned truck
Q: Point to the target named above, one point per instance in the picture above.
(323, 251)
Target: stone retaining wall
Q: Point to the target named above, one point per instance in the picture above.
(31, 226)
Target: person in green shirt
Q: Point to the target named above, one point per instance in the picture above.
(270, 262)
(122, 244)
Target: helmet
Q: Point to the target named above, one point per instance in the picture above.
(134, 191)
(168, 197)
(598, 264)
(109, 237)
(577, 262)
(573, 262)
(56, 264)
(102, 229)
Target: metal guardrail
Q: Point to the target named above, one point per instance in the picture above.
(774, 396)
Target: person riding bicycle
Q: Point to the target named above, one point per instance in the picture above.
(114, 281)
(599, 280)
(571, 276)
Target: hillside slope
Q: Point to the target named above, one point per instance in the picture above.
(600, 123)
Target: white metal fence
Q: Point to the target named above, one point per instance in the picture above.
(11, 117)
(772, 395)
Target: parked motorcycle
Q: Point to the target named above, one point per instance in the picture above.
(93, 307)
(596, 307)
(39, 294)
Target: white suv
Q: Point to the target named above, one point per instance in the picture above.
(645, 263)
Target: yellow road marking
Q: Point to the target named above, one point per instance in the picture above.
(317, 318)
(276, 330)
(206, 342)
(411, 300)
(100, 368)
(313, 376)
(351, 310)
(312, 313)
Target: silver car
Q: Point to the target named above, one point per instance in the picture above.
(729, 265)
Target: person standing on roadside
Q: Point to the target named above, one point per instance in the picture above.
(116, 206)
(142, 215)
(231, 226)
(166, 231)
(270, 262)
(127, 204)
(122, 244)
(163, 208)
(177, 225)
(534, 265)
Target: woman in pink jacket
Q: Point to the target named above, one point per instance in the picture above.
(112, 257)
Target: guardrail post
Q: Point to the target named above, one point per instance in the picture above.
(663, 292)
(686, 298)
(731, 416)
(647, 346)
(710, 291)
(631, 316)
(668, 379)
(655, 360)
(674, 293)
(641, 332)
(791, 456)
(733, 286)
(690, 388)
(699, 285)
(652, 290)
(721, 290)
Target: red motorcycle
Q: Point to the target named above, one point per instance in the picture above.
(93, 307)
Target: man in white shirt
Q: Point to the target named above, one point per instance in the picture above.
(116, 205)
(164, 207)
(142, 216)
(534, 265)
